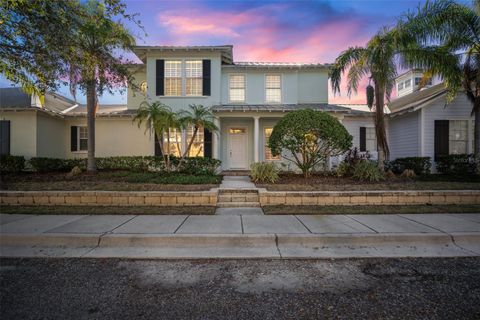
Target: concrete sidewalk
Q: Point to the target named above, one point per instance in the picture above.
(240, 236)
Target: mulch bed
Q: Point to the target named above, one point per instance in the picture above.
(317, 182)
(105, 181)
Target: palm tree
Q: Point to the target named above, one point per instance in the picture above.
(161, 119)
(94, 64)
(453, 30)
(377, 62)
(199, 117)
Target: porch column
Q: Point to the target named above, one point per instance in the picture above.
(256, 137)
(215, 140)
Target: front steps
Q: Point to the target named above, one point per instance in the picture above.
(235, 198)
(235, 173)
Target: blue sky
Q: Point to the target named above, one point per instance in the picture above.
(299, 31)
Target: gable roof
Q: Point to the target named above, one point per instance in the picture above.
(416, 100)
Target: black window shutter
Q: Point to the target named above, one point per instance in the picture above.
(207, 143)
(363, 139)
(160, 75)
(158, 151)
(441, 138)
(4, 137)
(206, 77)
(73, 138)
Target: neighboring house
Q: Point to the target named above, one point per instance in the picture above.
(421, 123)
(248, 98)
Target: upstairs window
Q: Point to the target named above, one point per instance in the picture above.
(408, 83)
(194, 78)
(400, 86)
(273, 88)
(173, 78)
(237, 87)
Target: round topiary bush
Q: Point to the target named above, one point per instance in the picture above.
(310, 137)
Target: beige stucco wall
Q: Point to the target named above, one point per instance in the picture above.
(51, 136)
(114, 137)
(23, 132)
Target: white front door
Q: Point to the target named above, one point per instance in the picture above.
(237, 147)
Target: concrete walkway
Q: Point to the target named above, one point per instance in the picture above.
(240, 236)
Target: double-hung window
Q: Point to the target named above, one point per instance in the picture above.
(268, 152)
(273, 88)
(193, 74)
(173, 78)
(458, 136)
(370, 139)
(237, 88)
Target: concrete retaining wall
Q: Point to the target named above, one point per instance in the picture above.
(369, 197)
(109, 198)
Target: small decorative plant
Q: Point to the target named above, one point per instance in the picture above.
(264, 172)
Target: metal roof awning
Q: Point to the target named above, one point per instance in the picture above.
(285, 108)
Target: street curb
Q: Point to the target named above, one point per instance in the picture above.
(49, 240)
(187, 240)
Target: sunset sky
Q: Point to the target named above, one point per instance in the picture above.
(296, 31)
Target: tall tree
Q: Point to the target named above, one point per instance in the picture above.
(450, 32)
(162, 120)
(48, 43)
(377, 62)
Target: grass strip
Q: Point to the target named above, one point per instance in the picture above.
(111, 210)
(392, 209)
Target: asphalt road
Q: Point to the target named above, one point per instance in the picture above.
(261, 289)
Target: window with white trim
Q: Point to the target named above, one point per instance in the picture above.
(458, 136)
(268, 152)
(273, 88)
(237, 88)
(173, 144)
(370, 139)
(82, 138)
(196, 149)
(173, 78)
(194, 77)
(408, 83)
(400, 86)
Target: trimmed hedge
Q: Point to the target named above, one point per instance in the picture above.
(456, 164)
(194, 166)
(420, 165)
(11, 164)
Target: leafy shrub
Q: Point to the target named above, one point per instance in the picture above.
(408, 173)
(199, 165)
(390, 175)
(41, 164)
(11, 164)
(315, 134)
(195, 166)
(420, 165)
(352, 158)
(264, 172)
(456, 164)
(367, 171)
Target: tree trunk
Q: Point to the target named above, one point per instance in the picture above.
(476, 144)
(91, 98)
(380, 126)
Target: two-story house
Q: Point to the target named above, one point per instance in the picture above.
(247, 98)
